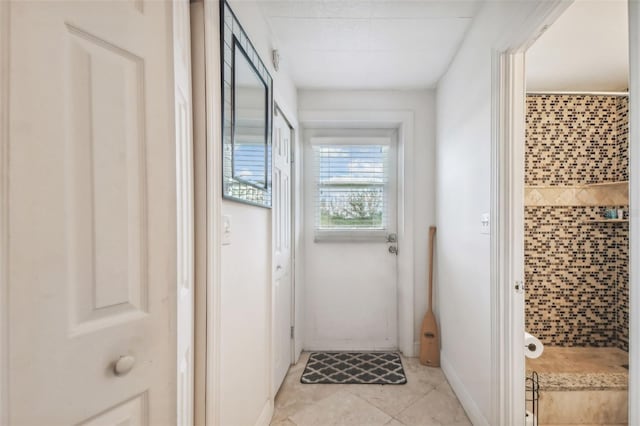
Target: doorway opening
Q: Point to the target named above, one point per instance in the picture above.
(576, 203)
(563, 134)
(385, 319)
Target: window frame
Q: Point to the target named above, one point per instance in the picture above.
(390, 207)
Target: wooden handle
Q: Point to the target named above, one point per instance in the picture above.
(432, 237)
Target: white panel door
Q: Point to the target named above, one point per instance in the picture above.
(92, 214)
(282, 272)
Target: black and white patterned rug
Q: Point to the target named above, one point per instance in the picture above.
(361, 368)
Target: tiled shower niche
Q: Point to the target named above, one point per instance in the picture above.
(576, 267)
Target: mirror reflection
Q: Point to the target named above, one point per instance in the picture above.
(250, 122)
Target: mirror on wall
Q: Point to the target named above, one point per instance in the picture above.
(250, 98)
(247, 116)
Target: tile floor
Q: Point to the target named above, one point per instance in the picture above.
(427, 399)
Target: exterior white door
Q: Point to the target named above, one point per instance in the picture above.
(351, 286)
(282, 265)
(92, 214)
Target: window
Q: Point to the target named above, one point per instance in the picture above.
(352, 187)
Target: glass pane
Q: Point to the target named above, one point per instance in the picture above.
(352, 186)
(250, 121)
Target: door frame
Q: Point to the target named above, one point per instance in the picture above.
(185, 212)
(634, 206)
(200, 209)
(403, 121)
(4, 212)
(213, 206)
(507, 216)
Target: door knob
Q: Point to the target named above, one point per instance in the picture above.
(393, 250)
(123, 365)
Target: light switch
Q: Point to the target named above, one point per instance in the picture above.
(485, 227)
(226, 230)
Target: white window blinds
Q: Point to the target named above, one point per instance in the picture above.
(352, 184)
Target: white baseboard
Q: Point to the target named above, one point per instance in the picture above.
(469, 405)
(341, 345)
(416, 349)
(266, 414)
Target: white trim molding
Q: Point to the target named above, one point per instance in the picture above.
(4, 211)
(266, 414)
(185, 242)
(507, 201)
(506, 248)
(404, 121)
(214, 207)
(634, 209)
(200, 210)
(471, 408)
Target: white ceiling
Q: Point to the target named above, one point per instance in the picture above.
(586, 49)
(356, 44)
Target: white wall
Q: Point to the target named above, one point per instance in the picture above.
(246, 274)
(462, 196)
(587, 48)
(421, 103)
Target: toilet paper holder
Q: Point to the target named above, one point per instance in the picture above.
(533, 347)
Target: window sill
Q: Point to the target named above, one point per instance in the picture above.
(365, 236)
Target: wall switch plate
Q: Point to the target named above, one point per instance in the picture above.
(485, 224)
(226, 230)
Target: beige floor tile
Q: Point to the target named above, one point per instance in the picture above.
(417, 372)
(438, 407)
(446, 388)
(294, 397)
(285, 422)
(390, 399)
(341, 408)
(298, 404)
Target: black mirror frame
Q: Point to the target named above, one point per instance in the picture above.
(233, 37)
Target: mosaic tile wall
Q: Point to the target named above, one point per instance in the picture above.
(577, 271)
(622, 320)
(622, 302)
(571, 140)
(622, 130)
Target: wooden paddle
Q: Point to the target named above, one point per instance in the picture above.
(429, 336)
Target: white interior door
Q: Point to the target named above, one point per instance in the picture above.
(282, 265)
(92, 214)
(351, 271)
